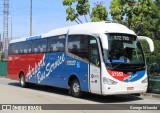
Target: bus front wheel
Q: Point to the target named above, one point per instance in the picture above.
(22, 81)
(75, 88)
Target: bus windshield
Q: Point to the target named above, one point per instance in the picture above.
(124, 52)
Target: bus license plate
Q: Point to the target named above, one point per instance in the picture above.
(130, 88)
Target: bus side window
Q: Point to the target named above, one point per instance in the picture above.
(78, 45)
(15, 48)
(94, 52)
(39, 46)
(56, 44)
(10, 49)
(25, 47)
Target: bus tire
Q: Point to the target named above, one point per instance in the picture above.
(22, 81)
(75, 88)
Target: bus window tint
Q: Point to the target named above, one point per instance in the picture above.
(94, 52)
(25, 47)
(10, 52)
(78, 45)
(123, 48)
(15, 48)
(39, 46)
(56, 44)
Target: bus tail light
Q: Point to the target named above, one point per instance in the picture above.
(145, 80)
(109, 81)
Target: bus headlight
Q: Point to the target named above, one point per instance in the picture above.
(109, 81)
(145, 80)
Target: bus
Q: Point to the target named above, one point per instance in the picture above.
(82, 58)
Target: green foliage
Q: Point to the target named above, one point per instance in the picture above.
(68, 2)
(148, 54)
(134, 12)
(1, 56)
(99, 13)
(71, 14)
(117, 9)
(82, 9)
(151, 27)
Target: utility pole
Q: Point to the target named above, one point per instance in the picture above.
(30, 17)
(10, 26)
(5, 26)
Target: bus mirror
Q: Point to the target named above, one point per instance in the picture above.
(150, 42)
(104, 41)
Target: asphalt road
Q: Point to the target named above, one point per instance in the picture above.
(11, 93)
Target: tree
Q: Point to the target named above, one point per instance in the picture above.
(132, 12)
(117, 10)
(151, 26)
(1, 56)
(157, 23)
(82, 9)
(149, 23)
(99, 13)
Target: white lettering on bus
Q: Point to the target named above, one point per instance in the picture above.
(131, 77)
(117, 73)
(37, 72)
(33, 71)
(53, 66)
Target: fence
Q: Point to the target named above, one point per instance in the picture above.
(153, 75)
(3, 68)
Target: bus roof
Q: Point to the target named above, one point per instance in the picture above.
(86, 28)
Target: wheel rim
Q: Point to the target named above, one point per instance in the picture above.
(76, 87)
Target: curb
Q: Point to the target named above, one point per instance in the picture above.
(3, 76)
(152, 95)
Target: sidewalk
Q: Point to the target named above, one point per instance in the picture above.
(151, 95)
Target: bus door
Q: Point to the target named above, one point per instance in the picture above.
(94, 67)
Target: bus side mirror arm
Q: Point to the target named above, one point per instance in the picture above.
(150, 42)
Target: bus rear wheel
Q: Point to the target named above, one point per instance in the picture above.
(75, 88)
(22, 81)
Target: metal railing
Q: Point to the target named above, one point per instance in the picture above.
(153, 75)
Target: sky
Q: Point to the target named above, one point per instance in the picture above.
(47, 15)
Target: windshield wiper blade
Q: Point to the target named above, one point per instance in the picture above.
(137, 67)
(131, 67)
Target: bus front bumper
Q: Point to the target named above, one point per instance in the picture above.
(124, 89)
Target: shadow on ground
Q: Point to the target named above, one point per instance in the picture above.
(87, 96)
